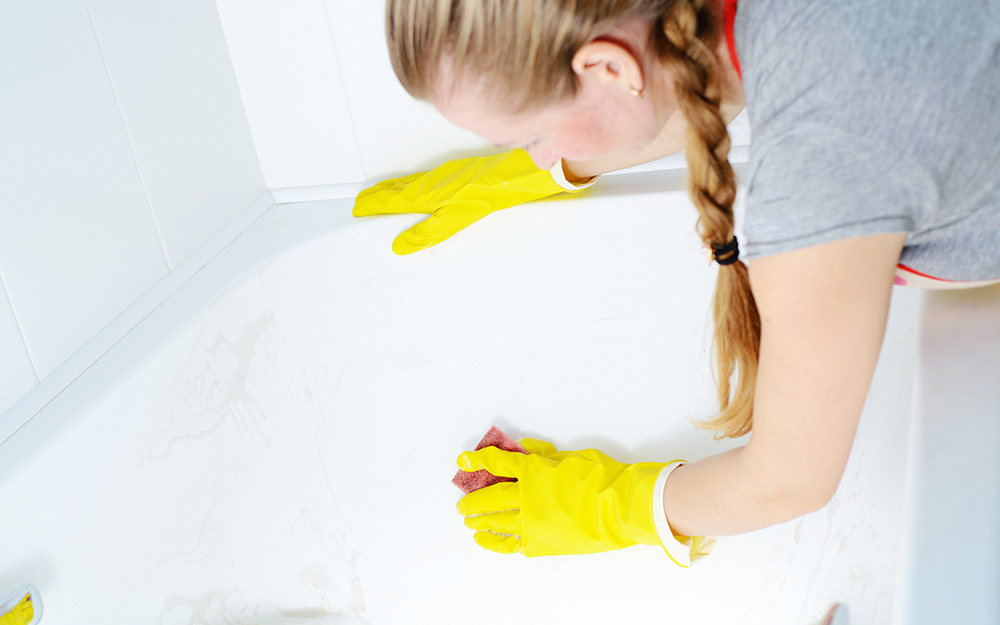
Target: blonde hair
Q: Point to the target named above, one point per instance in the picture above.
(523, 50)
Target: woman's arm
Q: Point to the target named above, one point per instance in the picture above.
(823, 311)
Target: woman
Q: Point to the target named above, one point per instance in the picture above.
(874, 162)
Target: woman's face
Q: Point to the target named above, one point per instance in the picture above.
(603, 118)
(590, 125)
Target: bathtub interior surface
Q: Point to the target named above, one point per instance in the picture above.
(285, 454)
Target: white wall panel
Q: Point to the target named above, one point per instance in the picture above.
(396, 134)
(180, 102)
(289, 77)
(77, 240)
(16, 374)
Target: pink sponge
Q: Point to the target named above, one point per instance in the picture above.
(475, 480)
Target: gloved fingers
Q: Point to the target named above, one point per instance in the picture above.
(544, 448)
(497, 498)
(498, 542)
(495, 460)
(379, 199)
(508, 522)
(538, 447)
(442, 224)
(596, 456)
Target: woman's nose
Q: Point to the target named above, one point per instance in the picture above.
(544, 157)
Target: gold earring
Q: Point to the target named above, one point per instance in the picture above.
(636, 92)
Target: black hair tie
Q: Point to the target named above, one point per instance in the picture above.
(719, 252)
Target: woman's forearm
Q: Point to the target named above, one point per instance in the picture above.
(722, 495)
(820, 341)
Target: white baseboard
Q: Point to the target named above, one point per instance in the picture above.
(292, 195)
(53, 384)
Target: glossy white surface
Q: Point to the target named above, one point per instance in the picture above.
(275, 442)
(77, 241)
(175, 86)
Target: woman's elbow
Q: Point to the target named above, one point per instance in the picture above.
(792, 501)
(815, 500)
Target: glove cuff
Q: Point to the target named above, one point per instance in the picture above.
(683, 550)
(559, 177)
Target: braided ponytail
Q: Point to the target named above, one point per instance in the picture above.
(687, 51)
(526, 47)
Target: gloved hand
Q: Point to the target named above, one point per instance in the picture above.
(456, 195)
(571, 502)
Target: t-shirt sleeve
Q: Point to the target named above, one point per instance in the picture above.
(815, 184)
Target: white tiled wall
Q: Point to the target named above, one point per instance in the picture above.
(396, 134)
(77, 242)
(124, 149)
(323, 103)
(289, 74)
(171, 73)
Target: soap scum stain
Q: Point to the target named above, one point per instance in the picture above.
(357, 590)
(212, 606)
(218, 390)
(215, 394)
(211, 530)
(231, 607)
(340, 553)
(848, 519)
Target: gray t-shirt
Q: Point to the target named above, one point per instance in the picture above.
(875, 116)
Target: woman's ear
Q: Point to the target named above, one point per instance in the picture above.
(610, 64)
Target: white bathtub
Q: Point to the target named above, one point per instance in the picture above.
(274, 443)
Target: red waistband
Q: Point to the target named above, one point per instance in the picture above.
(922, 275)
(729, 15)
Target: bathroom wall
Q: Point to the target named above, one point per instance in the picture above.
(323, 103)
(126, 148)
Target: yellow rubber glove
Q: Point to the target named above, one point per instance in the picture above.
(570, 502)
(21, 607)
(456, 195)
